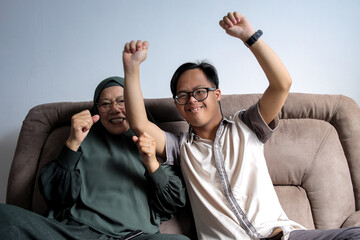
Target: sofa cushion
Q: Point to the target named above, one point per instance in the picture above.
(306, 154)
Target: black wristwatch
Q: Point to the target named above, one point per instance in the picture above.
(253, 38)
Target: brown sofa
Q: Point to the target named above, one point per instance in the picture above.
(313, 157)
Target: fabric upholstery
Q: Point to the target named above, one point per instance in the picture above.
(313, 157)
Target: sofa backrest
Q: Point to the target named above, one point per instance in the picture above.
(313, 156)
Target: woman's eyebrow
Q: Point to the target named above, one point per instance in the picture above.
(105, 98)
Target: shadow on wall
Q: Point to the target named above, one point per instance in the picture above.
(7, 150)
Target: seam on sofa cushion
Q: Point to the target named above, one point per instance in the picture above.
(336, 109)
(321, 146)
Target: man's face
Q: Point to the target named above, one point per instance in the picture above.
(114, 120)
(198, 113)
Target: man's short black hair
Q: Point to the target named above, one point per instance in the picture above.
(208, 69)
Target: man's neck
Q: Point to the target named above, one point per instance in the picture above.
(209, 130)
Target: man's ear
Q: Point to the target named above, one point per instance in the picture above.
(177, 105)
(218, 94)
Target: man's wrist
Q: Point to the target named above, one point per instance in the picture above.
(130, 69)
(253, 38)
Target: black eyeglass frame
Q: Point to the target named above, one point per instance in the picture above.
(112, 103)
(193, 94)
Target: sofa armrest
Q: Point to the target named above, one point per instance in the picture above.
(352, 221)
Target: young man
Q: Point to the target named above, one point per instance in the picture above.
(222, 160)
(100, 187)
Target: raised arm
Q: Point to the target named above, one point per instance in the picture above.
(134, 54)
(60, 181)
(279, 79)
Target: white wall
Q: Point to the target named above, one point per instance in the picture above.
(59, 50)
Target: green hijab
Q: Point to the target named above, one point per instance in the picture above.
(108, 82)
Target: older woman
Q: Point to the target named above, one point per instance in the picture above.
(105, 184)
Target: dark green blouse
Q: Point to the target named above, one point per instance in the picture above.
(106, 186)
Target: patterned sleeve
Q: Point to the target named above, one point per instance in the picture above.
(253, 119)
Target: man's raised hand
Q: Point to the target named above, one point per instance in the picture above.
(134, 54)
(237, 25)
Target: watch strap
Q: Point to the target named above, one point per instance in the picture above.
(254, 38)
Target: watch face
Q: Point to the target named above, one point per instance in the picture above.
(254, 38)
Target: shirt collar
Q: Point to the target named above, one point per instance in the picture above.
(191, 136)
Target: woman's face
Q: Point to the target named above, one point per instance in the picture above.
(114, 120)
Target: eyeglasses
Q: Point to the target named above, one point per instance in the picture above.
(105, 105)
(199, 94)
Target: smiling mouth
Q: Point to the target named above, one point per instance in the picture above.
(117, 120)
(196, 109)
